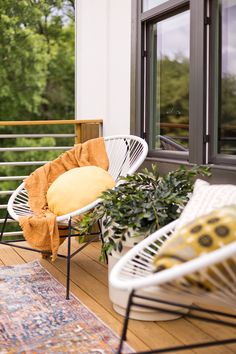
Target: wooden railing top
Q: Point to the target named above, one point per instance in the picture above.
(85, 129)
(49, 122)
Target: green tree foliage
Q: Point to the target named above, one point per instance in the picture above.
(36, 76)
(23, 64)
(37, 58)
(59, 91)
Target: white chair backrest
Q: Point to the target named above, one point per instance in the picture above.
(125, 153)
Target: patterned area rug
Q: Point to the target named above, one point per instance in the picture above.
(36, 318)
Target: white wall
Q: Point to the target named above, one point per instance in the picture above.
(103, 63)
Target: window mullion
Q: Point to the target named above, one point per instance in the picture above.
(197, 87)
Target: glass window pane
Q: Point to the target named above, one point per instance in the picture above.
(227, 118)
(149, 4)
(168, 75)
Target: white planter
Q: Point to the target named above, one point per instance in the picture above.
(119, 298)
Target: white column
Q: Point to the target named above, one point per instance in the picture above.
(103, 63)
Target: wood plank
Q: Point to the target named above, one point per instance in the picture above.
(88, 131)
(94, 253)
(8, 256)
(218, 332)
(86, 260)
(189, 333)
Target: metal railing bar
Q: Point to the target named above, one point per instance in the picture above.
(8, 221)
(3, 206)
(13, 136)
(6, 192)
(13, 233)
(23, 163)
(8, 242)
(12, 178)
(36, 148)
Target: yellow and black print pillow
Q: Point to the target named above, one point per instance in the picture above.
(206, 234)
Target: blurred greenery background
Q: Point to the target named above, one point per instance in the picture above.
(37, 70)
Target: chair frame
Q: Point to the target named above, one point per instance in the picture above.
(136, 150)
(134, 261)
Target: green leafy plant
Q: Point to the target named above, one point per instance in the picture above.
(141, 204)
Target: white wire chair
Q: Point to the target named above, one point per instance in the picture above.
(207, 280)
(125, 154)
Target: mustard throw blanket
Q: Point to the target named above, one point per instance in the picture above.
(41, 230)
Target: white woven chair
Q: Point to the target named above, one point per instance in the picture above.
(125, 153)
(135, 273)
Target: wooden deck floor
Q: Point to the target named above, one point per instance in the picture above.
(89, 284)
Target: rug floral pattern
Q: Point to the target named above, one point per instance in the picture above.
(36, 318)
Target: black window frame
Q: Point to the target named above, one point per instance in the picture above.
(203, 87)
(158, 18)
(215, 88)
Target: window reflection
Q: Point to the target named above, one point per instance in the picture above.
(227, 119)
(169, 83)
(149, 4)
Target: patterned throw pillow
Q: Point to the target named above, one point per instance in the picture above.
(206, 198)
(197, 238)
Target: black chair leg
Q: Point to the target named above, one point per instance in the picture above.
(4, 225)
(68, 261)
(126, 321)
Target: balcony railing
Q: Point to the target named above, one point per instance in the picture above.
(24, 147)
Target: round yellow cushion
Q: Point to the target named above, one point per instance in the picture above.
(77, 188)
